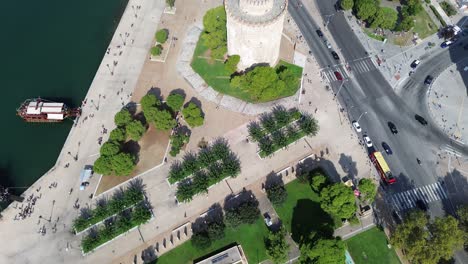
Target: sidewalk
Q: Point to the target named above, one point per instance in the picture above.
(349, 230)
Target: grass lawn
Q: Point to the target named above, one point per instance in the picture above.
(301, 212)
(250, 237)
(372, 35)
(216, 76)
(423, 25)
(371, 247)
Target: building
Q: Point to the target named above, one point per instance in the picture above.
(254, 29)
(232, 255)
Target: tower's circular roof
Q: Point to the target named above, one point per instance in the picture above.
(255, 11)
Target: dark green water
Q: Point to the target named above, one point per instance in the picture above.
(50, 49)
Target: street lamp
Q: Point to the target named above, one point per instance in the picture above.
(339, 89)
(361, 116)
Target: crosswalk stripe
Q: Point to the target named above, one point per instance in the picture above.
(364, 65)
(413, 194)
(405, 201)
(436, 190)
(402, 203)
(421, 194)
(433, 190)
(416, 195)
(410, 200)
(442, 190)
(394, 202)
(428, 193)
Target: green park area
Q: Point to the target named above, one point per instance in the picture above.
(250, 237)
(301, 213)
(423, 25)
(371, 247)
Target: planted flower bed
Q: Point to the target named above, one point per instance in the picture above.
(121, 200)
(115, 226)
(208, 167)
(280, 128)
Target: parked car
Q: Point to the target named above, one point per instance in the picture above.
(335, 55)
(392, 128)
(387, 148)
(446, 43)
(357, 127)
(368, 141)
(267, 219)
(328, 44)
(415, 64)
(319, 33)
(428, 80)
(338, 76)
(421, 120)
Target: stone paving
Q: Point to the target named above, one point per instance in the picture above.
(447, 102)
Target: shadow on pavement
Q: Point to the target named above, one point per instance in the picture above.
(348, 165)
(456, 186)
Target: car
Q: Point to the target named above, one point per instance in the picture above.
(368, 141)
(421, 205)
(338, 76)
(387, 148)
(392, 128)
(415, 64)
(357, 127)
(267, 219)
(421, 120)
(319, 33)
(446, 43)
(328, 44)
(428, 80)
(335, 55)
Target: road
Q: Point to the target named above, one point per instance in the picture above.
(368, 92)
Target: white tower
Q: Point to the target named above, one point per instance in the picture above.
(254, 29)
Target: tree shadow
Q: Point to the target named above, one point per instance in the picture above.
(131, 107)
(213, 215)
(348, 165)
(156, 92)
(456, 186)
(148, 255)
(133, 148)
(235, 200)
(179, 91)
(273, 179)
(309, 220)
(310, 164)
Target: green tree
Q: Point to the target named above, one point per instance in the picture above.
(347, 4)
(103, 165)
(123, 117)
(277, 247)
(122, 164)
(148, 101)
(156, 50)
(163, 119)
(448, 8)
(462, 213)
(201, 240)
(425, 242)
(118, 134)
(245, 213)
(161, 35)
(317, 182)
(215, 33)
(414, 7)
(365, 9)
(323, 251)
(110, 148)
(170, 3)
(338, 200)
(277, 193)
(262, 83)
(385, 18)
(175, 101)
(216, 230)
(368, 189)
(193, 115)
(309, 125)
(231, 63)
(406, 23)
(135, 130)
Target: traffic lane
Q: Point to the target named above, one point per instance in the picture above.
(308, 29)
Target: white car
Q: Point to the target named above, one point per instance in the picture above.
(446, 43)
(328, 44)
(357, 127)
(368, 141)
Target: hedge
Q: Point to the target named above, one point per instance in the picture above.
(436, 13)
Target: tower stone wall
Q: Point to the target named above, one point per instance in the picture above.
(254, 29)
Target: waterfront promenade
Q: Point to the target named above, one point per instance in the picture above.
(111, 88)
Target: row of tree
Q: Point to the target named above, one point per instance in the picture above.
(431, 241)
(384, 17)
(116, 226)
(178, 139)
(277, 119)
(191, 162)
(265, 83)
(214, 33)
(122, 199)
(113, 160)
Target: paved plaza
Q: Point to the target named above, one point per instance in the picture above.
(447, 101)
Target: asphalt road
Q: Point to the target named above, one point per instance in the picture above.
(370, 93)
